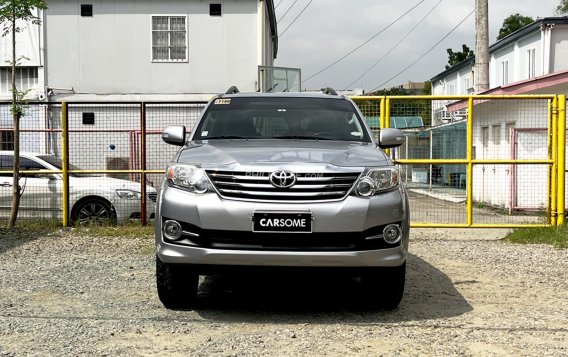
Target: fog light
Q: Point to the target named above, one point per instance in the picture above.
(392, 233)
(365, 187)
(171, 230)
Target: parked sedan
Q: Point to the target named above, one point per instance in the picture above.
(92, 199)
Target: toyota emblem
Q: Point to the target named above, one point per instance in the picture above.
(282, 178)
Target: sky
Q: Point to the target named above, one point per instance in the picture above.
(392, 42)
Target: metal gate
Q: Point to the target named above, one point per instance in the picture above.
(480, 160)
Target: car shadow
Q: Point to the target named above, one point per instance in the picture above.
(16, 237)
(309, 298)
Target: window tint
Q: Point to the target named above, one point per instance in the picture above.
(266, 117)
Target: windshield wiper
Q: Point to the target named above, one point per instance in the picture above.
(301, 137)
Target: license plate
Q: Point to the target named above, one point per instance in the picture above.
(282, 222)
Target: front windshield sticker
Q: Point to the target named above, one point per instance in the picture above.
(222, 101)
(204, 133)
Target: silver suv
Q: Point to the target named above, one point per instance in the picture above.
(281, 180)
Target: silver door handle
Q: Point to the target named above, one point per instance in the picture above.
(5, 184)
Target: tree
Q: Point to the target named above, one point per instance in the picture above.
(456, 57)
(14, 16)
(562, 8)
(513, 23)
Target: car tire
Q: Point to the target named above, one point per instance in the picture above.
(93, 211)
(177, 285)
(383, 288)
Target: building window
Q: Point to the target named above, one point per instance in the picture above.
(87, 10)
(169, 38)
(452, 89)
(505, 72)
(531, 59)
(88, 118)
(485, 136)
(7, 140)
(215, 9)
(26, 78)
(465, 84)
(496, 134)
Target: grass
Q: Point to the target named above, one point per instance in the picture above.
(555, 236)
(53, 227)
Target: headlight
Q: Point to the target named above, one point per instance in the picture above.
(128, 194)
(188, 177)
(377, 180)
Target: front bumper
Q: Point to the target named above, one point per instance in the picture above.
(131, 209)
(348, 217)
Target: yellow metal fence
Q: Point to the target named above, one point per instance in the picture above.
(479, 160)
(468, 161)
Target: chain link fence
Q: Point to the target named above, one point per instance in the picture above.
(467, 161)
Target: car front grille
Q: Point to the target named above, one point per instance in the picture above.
(308, 186)
(153, 196)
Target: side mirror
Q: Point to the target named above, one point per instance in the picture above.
(390, 138)
(174, 135)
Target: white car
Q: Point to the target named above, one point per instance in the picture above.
(92, 199)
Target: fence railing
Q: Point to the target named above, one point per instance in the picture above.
(468, 161)
(470, 167)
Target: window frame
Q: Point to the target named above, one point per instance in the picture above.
(186, 30)
(505, 72)
(531, 63)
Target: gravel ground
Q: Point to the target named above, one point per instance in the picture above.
(467, 294)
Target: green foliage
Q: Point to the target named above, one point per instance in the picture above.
(555, 236)
(427, 88)
(562, 8)
(513, 23)
(20, 106)
(11, 10)
(457, 57)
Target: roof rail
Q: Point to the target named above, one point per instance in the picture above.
(232, 90)
(329, 91)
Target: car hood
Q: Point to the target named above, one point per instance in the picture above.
(210, 154)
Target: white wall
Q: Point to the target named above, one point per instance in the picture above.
(28, 44)
(559, 48)
(110, 53)
(494, 184)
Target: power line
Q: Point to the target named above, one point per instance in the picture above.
(364, 43)
(423, 55)
(287, 11)
(291, 23)
(389, 51)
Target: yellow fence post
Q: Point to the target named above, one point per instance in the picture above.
(382, 113)
(561, 165)
(553, 128)
(469, 180)
(65, 161)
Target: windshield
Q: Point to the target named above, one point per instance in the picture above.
(281, 118)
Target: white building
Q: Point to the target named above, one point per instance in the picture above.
(131, 51)
(147, 49)
(532, 60)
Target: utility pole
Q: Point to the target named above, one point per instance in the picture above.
(481, 75)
